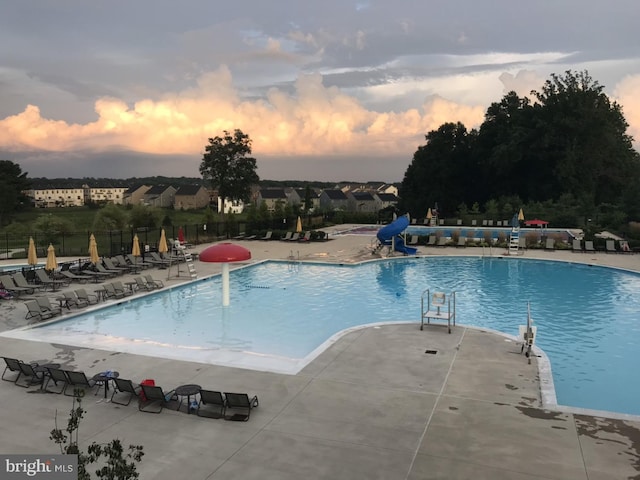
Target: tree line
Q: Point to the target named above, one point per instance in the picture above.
(566, 153)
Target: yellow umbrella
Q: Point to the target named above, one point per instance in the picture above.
(32, 256)
(162, 243)
(299, 226)
(429, 215)
(93, 250)
(52, 263)
(520, 215)
(135, 248)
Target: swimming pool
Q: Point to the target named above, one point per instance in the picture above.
(281, 313)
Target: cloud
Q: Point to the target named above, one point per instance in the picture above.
(313, 120)
(627, 94)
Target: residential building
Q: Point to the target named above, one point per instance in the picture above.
(104, 194)
(44, 197)
(363, 202)
(189, 197)
(135, 195)
(333, 199)
(315, 198)
(162, 196)
(271, 197)
(387, 200)
(230, 206)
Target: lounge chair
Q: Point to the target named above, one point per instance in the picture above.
(72, 300)
(474, 223)
(30, 376)
(267, 236)
(240, 406)
(624, 246)
(588, 246)
(576, 246)
(154, 395)
(83, 295)
(60, 379)
(413, 240)
(35, 312)
(75, 277)
(158, 260)
(134, 261)
(442, 242)
(13, 367)
(306, 237)
(78, 381)
(120, 288)
(112, 266)
(459, 222)
(462, 241)
(212, 404)
(20, 280)
(522, 243)
(550, 244)
(47, 306)
(153, 281)
(611, 246)
(432, 240)
(142, 284)
(111, 292)
(287, 236)
(9, 285)
(46, 281)
(123, 386)
(295, 237)
(101, 269)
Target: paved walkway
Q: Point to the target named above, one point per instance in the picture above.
(374, 405)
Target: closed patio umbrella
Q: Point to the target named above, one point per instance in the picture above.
(52, 263)
(520, 215)
(429, 214)
(32, 256)
(135, 247)
(162, 243)
(181, 236)
(299, 226)
(93, 249)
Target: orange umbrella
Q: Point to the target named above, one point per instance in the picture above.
(52, 263)
(93, 250)
(32, 256)
(520, 215)
(162, 243)
(299, 226)
(429, 214)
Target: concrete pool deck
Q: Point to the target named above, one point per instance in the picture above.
(374, 405)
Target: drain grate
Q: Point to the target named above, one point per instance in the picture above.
(431, 352)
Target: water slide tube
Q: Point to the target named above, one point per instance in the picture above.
(394, 229)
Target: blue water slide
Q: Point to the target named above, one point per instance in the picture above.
(394, 229)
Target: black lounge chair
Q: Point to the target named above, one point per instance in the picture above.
(44, 279)
(60, 379)
(13, 367)
(78, 381)
(154, 395)
(123, 386)
(111, 291)
(212, 404)
(72, 300)
(240, 406)
(121, 289)
(30, 376)
(142, 284)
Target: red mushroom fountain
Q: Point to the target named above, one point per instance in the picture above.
(225, 253)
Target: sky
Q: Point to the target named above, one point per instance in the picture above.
(327, 90)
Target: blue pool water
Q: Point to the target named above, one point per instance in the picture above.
(587, 317)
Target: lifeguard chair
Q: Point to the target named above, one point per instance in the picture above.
(438, 306)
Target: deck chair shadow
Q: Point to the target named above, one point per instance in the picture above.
(212, 404)
(124, 387)
(239, 406)
(154, 396)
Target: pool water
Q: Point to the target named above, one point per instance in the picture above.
(587, 316)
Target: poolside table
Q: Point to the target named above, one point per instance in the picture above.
(187, 391)
(102, 379)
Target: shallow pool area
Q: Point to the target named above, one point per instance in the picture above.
(282, 314)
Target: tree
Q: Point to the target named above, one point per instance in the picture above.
(12, 183)
(226, 164)
(111, 217)
(115, 463)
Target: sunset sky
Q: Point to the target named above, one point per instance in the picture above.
(327, 90)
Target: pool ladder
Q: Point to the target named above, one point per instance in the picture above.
(294, 260)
